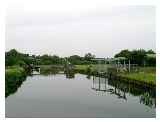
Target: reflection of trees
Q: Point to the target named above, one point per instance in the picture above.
(148, 100)
(69, 73)
(88, 76)
(69, 70)
(147, 95)
(58, 70)
(12, 84)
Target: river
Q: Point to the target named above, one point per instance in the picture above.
(79, 96)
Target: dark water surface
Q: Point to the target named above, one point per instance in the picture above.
(58, 96)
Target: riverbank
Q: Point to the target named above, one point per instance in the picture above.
(50, 69)
(14, 76)
(144, 75)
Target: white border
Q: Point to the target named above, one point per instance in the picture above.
(2, 59)
(158, 61)
(88, 2)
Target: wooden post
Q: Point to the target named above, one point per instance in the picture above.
(93, 83)
(117, 66)
(129, 66)
(99, 84)
(105, 83)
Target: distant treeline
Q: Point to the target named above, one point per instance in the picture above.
(140, 57)
(13, 57)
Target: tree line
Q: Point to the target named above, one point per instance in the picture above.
(13, 57)
(140, 57)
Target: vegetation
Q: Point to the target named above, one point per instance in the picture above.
(140, 57)
(14, 75)
(13, 57)
(146, 74)
(82, 67)
(18, 63)
(50, 69)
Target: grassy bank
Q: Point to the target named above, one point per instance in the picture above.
(145, 74)
(13, 79)
(50, 69)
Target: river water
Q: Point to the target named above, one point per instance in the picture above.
(79, 96)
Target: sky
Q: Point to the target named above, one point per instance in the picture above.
(68, 29)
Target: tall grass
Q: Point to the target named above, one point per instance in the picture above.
(146, 74)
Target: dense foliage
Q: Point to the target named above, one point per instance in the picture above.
(140, 57)
(13, 57)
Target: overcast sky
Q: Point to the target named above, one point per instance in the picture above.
(67, 30)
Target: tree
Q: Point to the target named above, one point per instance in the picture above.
(12, 57)
(150, 52)
(137, 56)
(75, 59)
(89, 56)
(124, 53)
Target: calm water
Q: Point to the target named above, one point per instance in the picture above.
(58, 96)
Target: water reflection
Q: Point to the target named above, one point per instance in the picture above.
(12, 86)
(12, 83)
(148, 100)
(53, 71)
(77, 99)
(146, 95)
(69, 74)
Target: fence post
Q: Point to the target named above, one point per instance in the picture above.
(129, 66)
